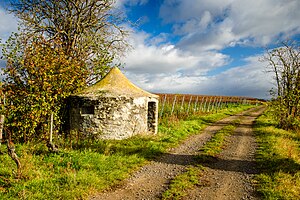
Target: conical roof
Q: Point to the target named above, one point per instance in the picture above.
(115, 83)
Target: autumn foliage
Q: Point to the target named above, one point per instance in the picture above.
(36, 85)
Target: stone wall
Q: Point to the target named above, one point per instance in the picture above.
(113, 117)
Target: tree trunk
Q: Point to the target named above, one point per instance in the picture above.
(13, 155)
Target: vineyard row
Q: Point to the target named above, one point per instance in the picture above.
(180, 104)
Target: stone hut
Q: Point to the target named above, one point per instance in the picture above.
(114, 108)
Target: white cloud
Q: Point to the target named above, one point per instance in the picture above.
(248, 80)
(212, 25)
(156, 56)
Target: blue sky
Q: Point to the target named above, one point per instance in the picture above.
(206, 46)
(200, 46)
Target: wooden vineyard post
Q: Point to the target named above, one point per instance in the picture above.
(213, 104)
(217, 104)
(205, 105)
(220, 104)
(209, 104)
(163, 105)
(51, 127)
(201, 104)
(173, 106)
(195, 107)
(188, 109)
(181, 107)
(51, 146)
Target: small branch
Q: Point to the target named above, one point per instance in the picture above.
(13, 155)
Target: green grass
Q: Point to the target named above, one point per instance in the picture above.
(278, 157)
(66, 175)
(183, 182)
(90, 166)
(215, 146)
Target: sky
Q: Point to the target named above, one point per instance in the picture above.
(208, 47)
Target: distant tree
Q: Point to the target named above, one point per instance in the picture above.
(284, 63)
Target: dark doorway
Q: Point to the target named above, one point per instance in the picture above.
(151, 116)
(87, 110)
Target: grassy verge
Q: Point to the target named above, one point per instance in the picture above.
(191, 178)
(278, 157)
(90, 166)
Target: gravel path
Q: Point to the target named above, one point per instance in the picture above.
(230, 176)
(226, 177)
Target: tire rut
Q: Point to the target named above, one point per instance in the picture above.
(153, 179)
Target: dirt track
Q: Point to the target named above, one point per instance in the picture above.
(228, 178)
